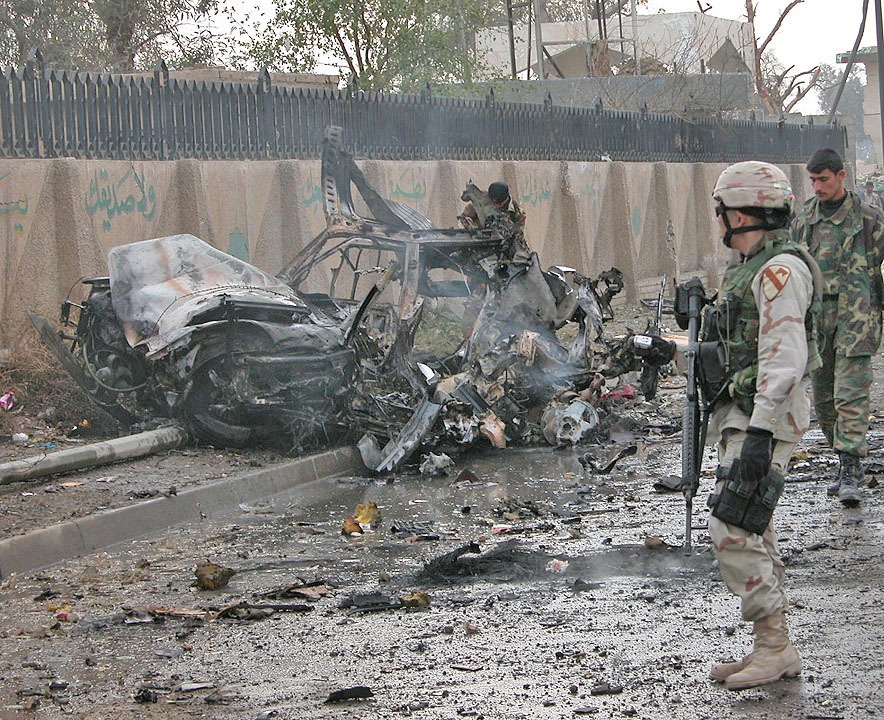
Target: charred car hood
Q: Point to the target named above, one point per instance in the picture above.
(160, 286)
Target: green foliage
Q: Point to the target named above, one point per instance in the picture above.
(140, 31)
(851, 102)
(577, 10)
(107, 34)
(378, 44)
(51, 27)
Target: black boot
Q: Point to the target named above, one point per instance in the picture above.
(833, 487)
(852, 478)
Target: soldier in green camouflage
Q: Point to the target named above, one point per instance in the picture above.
(846, 237)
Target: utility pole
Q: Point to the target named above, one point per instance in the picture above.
(510, 7)
(879, 32)
(538, 40)
(635, 53)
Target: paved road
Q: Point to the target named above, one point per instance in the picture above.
(583, 610)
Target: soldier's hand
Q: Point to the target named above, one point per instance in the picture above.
(757, 454)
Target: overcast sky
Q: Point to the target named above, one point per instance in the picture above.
(813, 33)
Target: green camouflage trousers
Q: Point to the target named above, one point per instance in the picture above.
(841, 390)
(750, 564)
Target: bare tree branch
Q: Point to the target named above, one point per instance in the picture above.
(774, 96)
(763, 47)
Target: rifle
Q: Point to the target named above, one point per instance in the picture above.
(690, 297)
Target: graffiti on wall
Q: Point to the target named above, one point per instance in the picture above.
(312, 194)
(109, 198)
(535, 191)
(237, 245)
(410, 188)
(14, 210)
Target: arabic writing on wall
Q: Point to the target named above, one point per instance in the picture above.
(14, 210)
(410, 188)
(535, 191)
(126, 196)
(312, 191)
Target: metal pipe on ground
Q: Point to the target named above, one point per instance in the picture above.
(101, 453)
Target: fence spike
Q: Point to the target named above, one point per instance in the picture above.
(35, 58)
(161, 73)
(264, 80)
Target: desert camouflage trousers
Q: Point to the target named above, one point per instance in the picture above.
(841, 390)
(750, 564)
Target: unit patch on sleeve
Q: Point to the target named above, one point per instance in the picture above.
(773, 280)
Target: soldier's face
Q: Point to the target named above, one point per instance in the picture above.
(828, 185)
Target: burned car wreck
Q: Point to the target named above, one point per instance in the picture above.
(331, 349)
(182, 330)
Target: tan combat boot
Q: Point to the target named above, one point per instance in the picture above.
(722, 671)
(774, 656)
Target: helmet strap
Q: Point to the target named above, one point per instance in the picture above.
(729, 232)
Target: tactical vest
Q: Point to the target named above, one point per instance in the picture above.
(734, 322)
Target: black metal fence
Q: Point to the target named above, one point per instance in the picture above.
(51, 113)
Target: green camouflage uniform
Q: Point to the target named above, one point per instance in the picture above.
(848, 248)
(770, 344)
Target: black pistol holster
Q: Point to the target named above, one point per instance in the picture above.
(748, 505)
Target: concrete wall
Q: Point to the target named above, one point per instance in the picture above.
(58, 218)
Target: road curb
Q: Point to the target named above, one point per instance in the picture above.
(47, 546)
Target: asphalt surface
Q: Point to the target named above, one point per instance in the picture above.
(44, 546)
(578, 601)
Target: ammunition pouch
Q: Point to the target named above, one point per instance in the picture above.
(747, 505)
(720, 321)
(713, 374)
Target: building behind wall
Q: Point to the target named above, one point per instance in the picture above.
(689, 63)
(871, 99)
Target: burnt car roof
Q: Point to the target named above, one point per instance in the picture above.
(392, 227)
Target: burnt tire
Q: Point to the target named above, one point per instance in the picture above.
(210, 414)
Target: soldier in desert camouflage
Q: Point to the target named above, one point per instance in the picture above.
(763, 322)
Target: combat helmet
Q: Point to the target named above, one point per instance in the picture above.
(755, 188)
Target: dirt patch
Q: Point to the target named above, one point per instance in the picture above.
(45, 402)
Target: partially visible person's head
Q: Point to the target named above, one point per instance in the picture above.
(825, 159)
(826, 171)
(870, 186)
(499, 192)
(751, 196)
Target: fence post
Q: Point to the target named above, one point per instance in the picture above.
(162, 111)
(549, 130)
(33, 107)
(267, 136)
(44, 144)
